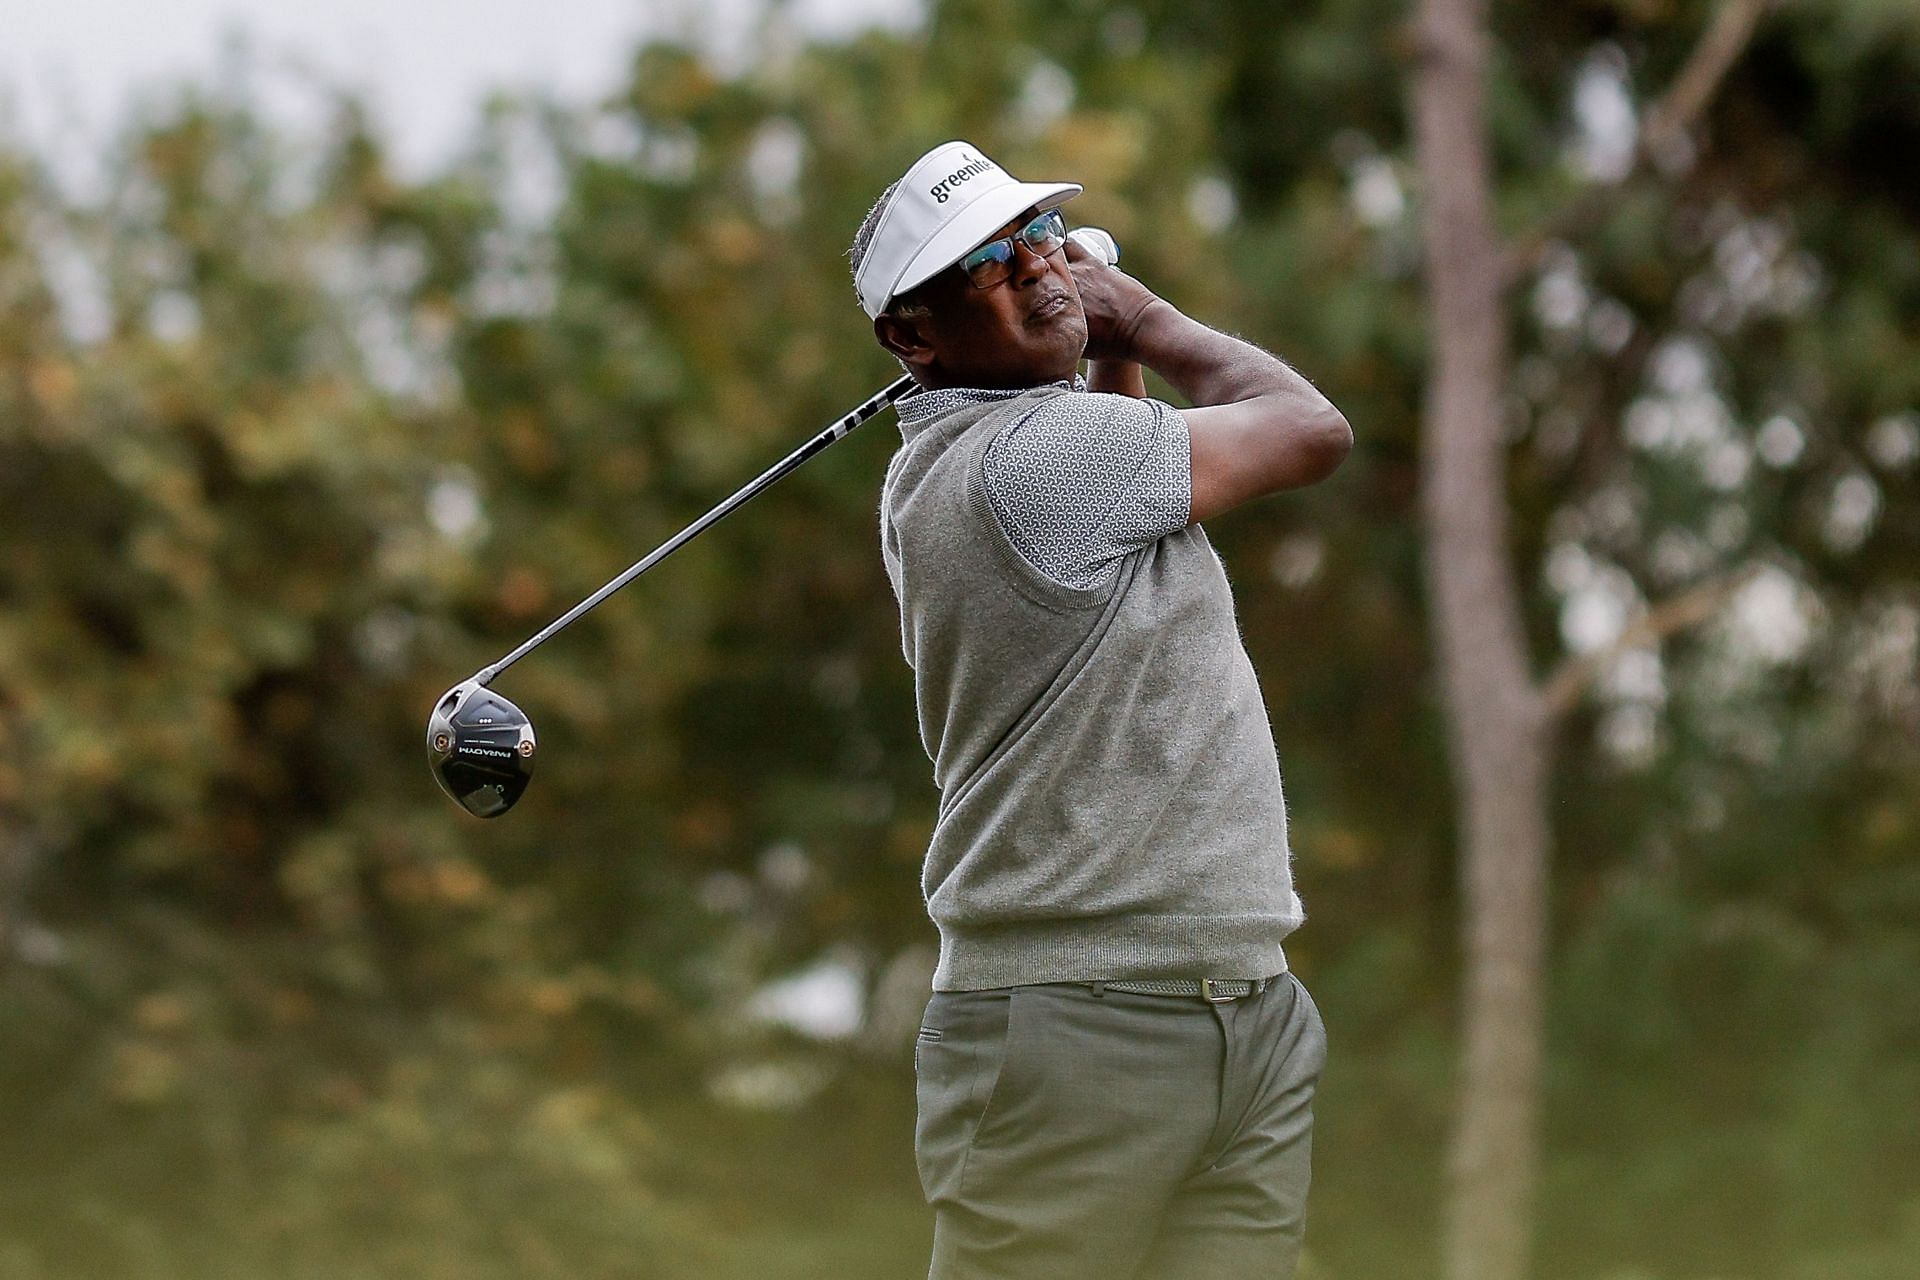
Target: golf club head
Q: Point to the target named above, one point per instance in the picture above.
(481, 749)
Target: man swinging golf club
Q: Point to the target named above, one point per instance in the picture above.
(1116, 1070)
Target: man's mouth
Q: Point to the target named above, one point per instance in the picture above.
(1048, 307)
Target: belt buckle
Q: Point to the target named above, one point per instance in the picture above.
(1206, 992)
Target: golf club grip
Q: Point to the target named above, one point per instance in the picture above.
(872, 405)
(1098, 242)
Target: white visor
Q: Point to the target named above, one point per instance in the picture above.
(951, 201)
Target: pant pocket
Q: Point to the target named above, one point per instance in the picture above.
(956, 1068)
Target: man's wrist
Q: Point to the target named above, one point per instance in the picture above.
(1146, 327)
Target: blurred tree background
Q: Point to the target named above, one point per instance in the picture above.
(289, 444)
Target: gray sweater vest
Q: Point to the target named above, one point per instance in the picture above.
(1110, 801)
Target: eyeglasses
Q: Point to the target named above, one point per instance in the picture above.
(992, 262)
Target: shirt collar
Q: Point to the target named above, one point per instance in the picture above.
(919, 408)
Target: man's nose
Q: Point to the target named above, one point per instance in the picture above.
(1028, 266)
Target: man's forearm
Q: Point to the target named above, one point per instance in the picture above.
(1256, 427)
(1209, 367)
(1120, 377)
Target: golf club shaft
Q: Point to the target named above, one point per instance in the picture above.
(872, 405)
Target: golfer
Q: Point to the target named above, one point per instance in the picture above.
(1116, 1070)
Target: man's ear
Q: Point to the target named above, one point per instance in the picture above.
(905, 338)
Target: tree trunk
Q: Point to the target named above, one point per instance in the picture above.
(16, 859)
(1497, 722)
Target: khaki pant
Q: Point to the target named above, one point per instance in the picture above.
(1065, 1134)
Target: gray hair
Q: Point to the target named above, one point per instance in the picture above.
(857, 254)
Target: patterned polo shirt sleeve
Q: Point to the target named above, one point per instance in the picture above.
(1086, 478)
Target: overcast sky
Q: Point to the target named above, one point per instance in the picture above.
(68, 68)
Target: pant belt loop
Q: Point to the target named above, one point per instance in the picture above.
(1099, 989)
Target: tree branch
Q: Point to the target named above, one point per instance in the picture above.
(1573, 677)
(1678, 111)
(1666, 136)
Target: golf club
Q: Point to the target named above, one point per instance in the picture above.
(481, 746)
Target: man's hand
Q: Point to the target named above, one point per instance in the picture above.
(1113, 301)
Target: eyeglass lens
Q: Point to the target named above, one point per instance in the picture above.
(993, 262)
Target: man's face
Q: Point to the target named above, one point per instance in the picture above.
(1025, 331)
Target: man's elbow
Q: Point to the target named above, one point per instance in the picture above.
(1325, 442)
